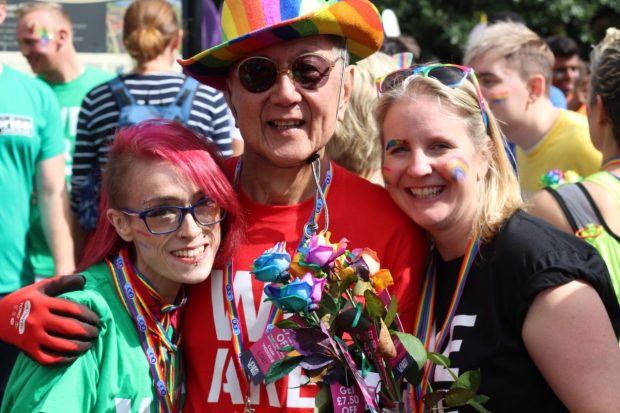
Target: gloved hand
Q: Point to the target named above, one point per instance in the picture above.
(50, 330)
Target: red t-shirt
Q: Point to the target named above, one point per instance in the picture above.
(359, 211)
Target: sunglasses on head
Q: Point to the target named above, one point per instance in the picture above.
(258, 74)
(450, 75)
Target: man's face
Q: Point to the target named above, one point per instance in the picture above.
(504, 89)
(38, 41)
(288, 122)
(566, 73)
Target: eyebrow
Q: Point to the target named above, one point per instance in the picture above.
(393, 142)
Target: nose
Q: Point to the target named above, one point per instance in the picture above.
(420, 164)
(285, 92)
(189, 227)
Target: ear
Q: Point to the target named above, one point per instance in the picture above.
(347, 89)
(228, 97)
(175, 44)
(63, 36)
(536, 86)
(2, 13)
(602, 117)
(120, 223)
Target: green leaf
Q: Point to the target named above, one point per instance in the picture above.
(469, 380)
(323, 400)
(458, 396)
(439, 359)
(433, 398)
(374, 306)
(287, 323)
(344, 284)
(286, 349)
(361, 286)
(328, 305)
(414, 347)
(391, 314)
(281, 368)
(477, 402)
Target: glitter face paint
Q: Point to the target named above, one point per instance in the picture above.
(458, 168)
(40, 31)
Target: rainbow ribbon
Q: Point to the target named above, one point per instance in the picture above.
(425, 317)
(161, 353)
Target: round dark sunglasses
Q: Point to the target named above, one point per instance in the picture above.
(258, 74)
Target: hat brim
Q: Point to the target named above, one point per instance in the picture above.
(356, 20)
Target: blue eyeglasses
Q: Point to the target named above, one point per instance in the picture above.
(165, 219)
(447, 74)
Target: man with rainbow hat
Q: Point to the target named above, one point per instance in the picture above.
(285, 69)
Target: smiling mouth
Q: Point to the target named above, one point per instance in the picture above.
(189, 253)
(426, 192)
(285, 124)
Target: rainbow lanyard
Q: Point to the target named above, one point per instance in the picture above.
(425, 317)
(158, 347)
(613, 162)
(229, 292)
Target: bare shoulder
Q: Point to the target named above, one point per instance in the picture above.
(544, 206)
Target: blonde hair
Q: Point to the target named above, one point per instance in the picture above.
(500, 193)
(54, 9)
(149, 26)
(523, 49)
(605, 77)
(355, 144)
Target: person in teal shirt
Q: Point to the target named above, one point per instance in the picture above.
(167, 214)
(45, 38)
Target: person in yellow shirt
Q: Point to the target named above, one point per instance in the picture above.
(515, 67)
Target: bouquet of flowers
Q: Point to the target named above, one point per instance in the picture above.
(344, 332)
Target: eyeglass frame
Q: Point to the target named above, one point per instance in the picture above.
(425, 70)
(184, 211)
(288, 70)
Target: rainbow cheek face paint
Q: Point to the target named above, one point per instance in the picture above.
(458, 168)
(498, 98)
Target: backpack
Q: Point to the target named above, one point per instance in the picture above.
(586, 219)
(131, 113)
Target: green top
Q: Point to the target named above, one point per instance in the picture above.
(112, 376)
(70, 96)
(29, 132)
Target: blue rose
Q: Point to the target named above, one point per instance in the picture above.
(302, 295)
(272, 266)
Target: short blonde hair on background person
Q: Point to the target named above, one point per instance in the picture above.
(500, 193)
(355, 144)
(523, 49)
(53, 9)
(149, 26)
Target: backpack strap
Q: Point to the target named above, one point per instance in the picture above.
(185, 98)
(120, 92)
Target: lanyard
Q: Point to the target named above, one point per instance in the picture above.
(229, 292)
(425, 317)
(158, 346)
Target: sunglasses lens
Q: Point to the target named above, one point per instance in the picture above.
(311, 71)
(257, 74)
(448, 75)
(394, 79)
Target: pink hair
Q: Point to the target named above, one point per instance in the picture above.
(190, 154)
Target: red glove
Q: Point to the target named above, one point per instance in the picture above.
(50, 330)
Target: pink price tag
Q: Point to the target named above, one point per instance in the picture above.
(265, 352)
(347, 399)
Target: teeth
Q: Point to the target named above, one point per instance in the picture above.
(426, 192)
(283, 124)
(189, 253)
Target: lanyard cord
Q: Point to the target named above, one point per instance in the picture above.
(425, 317)
(161, 354)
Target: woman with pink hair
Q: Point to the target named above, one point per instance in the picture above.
(167, 214)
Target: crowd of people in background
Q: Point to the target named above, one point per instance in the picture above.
(162, 187)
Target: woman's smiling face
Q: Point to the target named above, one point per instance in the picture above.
(431, 166)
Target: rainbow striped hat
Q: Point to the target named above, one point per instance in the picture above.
(249, 25)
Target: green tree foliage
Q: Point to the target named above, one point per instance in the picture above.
(442, 26)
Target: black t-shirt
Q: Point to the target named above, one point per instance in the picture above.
(526, 257)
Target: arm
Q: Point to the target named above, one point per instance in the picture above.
(568, 334)
(50, 181)
(544, 206)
